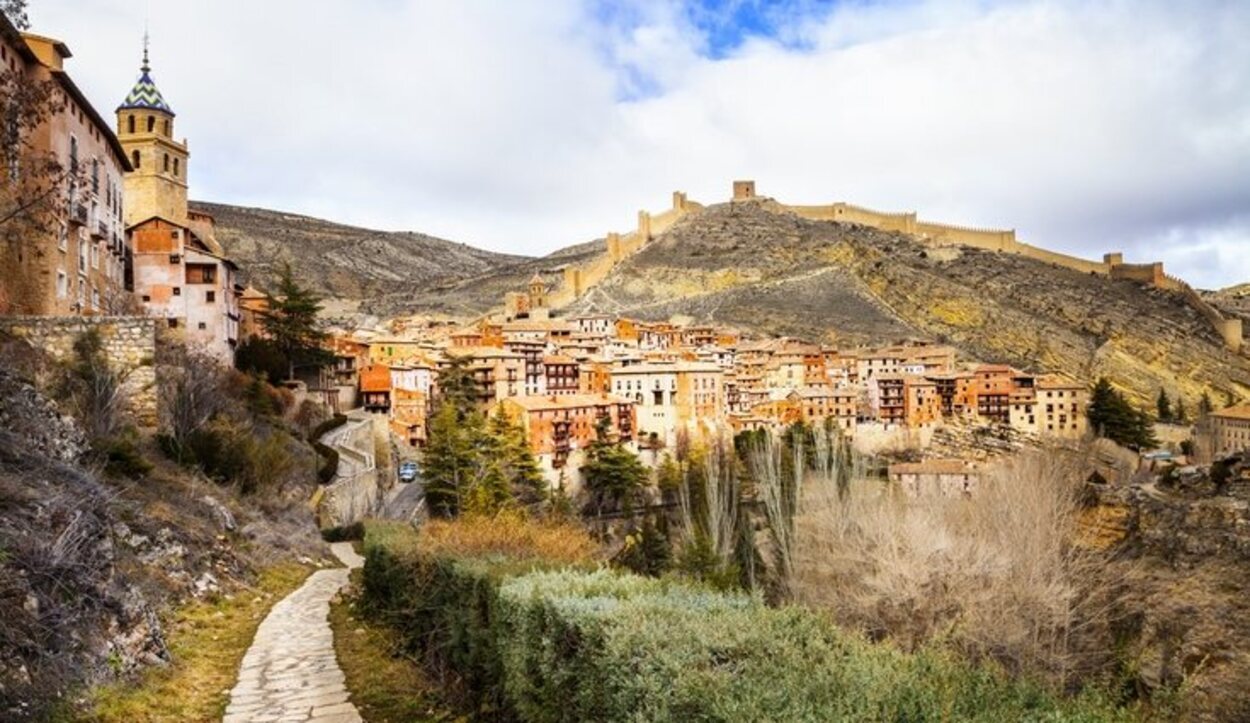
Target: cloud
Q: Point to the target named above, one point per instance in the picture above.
(526, 126)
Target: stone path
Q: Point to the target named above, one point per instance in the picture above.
(290, 672)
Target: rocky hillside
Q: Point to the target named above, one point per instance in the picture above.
(758, 267)
(343, 262)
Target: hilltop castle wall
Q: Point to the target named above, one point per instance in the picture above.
(580, 278)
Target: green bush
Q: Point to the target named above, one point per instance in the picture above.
(540, 644)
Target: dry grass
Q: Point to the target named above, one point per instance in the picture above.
(387, 686)
(510, 534)
(995, 575)
(208, 640)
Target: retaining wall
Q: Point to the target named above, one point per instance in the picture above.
(355, 493)
(129, 344)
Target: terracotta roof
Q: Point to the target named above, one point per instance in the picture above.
(1237, 411)
(567, 401)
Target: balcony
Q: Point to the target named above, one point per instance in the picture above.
(78, 214)
(100, 231)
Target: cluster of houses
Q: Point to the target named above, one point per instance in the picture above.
(658, 382)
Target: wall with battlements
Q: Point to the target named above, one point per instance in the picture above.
(580, 279)
(129, 344)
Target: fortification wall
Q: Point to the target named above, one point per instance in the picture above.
(1072, 262)
(128, 342)
(1142, 273)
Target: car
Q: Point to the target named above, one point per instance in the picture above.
(408, 471)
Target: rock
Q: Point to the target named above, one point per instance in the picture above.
(225, 518)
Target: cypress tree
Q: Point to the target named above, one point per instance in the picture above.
(291, 323)
(1164, 406)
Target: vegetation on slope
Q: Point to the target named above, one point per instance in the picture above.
(207, 640)
(555, 639)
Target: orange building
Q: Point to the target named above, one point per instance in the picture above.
(560, 428)
(409, 413)
(375, 388)
(924, 405)
(992, 384)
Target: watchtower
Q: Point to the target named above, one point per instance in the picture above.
(744, 190)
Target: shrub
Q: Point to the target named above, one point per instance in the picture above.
(541, 640)
(344, 533)
(122, 457)
(330, 467)
(334, 422)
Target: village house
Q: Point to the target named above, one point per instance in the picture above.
(671, 397)
(560, 428)
(1230, 429)
(73, 259)
(935, 478)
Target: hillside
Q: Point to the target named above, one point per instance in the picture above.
(758, 267)
(343, 262)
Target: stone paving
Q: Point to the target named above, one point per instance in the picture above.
(290, 672)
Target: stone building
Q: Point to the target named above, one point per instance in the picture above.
(1230, 429)
(935, 477)
(180, 271)
(70, 255)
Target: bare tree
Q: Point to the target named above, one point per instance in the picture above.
(192, 392)
(1001, 574)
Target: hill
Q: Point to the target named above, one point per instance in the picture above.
(343, 262)
(759, 267)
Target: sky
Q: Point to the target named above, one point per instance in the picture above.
(528, 125)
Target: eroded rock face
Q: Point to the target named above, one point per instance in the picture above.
(1186, 536)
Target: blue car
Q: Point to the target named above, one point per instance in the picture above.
(407, 471)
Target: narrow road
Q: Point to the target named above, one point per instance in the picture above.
(290, 672)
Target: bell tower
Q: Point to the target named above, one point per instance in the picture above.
(157, 185)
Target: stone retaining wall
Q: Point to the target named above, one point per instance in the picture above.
(355, 493)
(129, 343)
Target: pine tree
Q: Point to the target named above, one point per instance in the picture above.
(447, 462)
(1180, 415)
(1111, 416)
(291, 323)
(1164, 406)
(525, 478)
(613, 474)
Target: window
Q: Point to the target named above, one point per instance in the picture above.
(146, 298)
(130, 124)
(62, 285)
(176, 167)
(203, 325)
(175, 259)
(210, 297)
(151, 124)
(134, 158)
(167, 163)
(167, 129)
(177, 291)
(173, 323)
(62, 241)
(95, 175)
(95, 299)
(82, 256)
(73, 154)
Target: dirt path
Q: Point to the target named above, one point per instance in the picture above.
(290, 672)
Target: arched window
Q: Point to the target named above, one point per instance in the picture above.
(151, 123)
(176, 168)
(167, 163)
(166, 126)
(130, 124)
(134, 159)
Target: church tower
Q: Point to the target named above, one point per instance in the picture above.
(145, 126)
